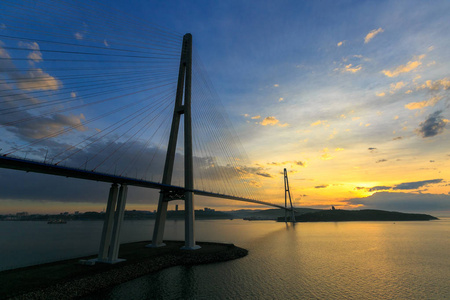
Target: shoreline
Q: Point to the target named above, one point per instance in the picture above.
(69, 279)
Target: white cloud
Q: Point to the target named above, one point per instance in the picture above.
(36, 54)
(33, 79)
(36, 79)
(79, 35)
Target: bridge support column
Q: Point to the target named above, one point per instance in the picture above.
(118, 219)
(160, 222)
(189, 221)
(109, 243)
(108, 223)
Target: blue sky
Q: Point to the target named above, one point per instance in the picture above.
(350, 96)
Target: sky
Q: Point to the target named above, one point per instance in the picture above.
(351, 97)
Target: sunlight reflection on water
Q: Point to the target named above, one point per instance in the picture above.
(346, 260)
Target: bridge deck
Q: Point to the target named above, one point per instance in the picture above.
(44, 168)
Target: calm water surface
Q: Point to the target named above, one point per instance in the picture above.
(346, 260)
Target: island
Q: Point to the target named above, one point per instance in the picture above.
(340, 215)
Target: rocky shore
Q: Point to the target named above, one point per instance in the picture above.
(68, 279)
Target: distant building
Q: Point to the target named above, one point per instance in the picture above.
(176, 207)
(209, 209)
(22, 214)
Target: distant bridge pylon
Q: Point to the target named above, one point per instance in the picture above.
(287, 194)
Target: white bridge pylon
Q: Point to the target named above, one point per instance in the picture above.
(109, 244)
(184, 82)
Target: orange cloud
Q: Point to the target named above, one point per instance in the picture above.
(319, 122)
(372, 34)
(397, 86)
(436, 85)
(410, 65)
(272, 121)
(325, 155)
(418, 105)
(351, 69)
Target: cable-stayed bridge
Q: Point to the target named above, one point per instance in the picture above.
(88, 92)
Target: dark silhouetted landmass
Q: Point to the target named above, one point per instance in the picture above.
(68, 279)
(275, 213)
(302, 215)
(200, 214)
(339, 215)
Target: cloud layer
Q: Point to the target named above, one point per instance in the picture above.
(406, 202)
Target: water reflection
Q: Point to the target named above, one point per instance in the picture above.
(355, 260)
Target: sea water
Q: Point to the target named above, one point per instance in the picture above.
(326, 260)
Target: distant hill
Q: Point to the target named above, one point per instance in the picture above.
(242, 213)
(275, 213)
(359, 215)
(200, 215)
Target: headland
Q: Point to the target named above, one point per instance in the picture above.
(340, 215)
(69, 279)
